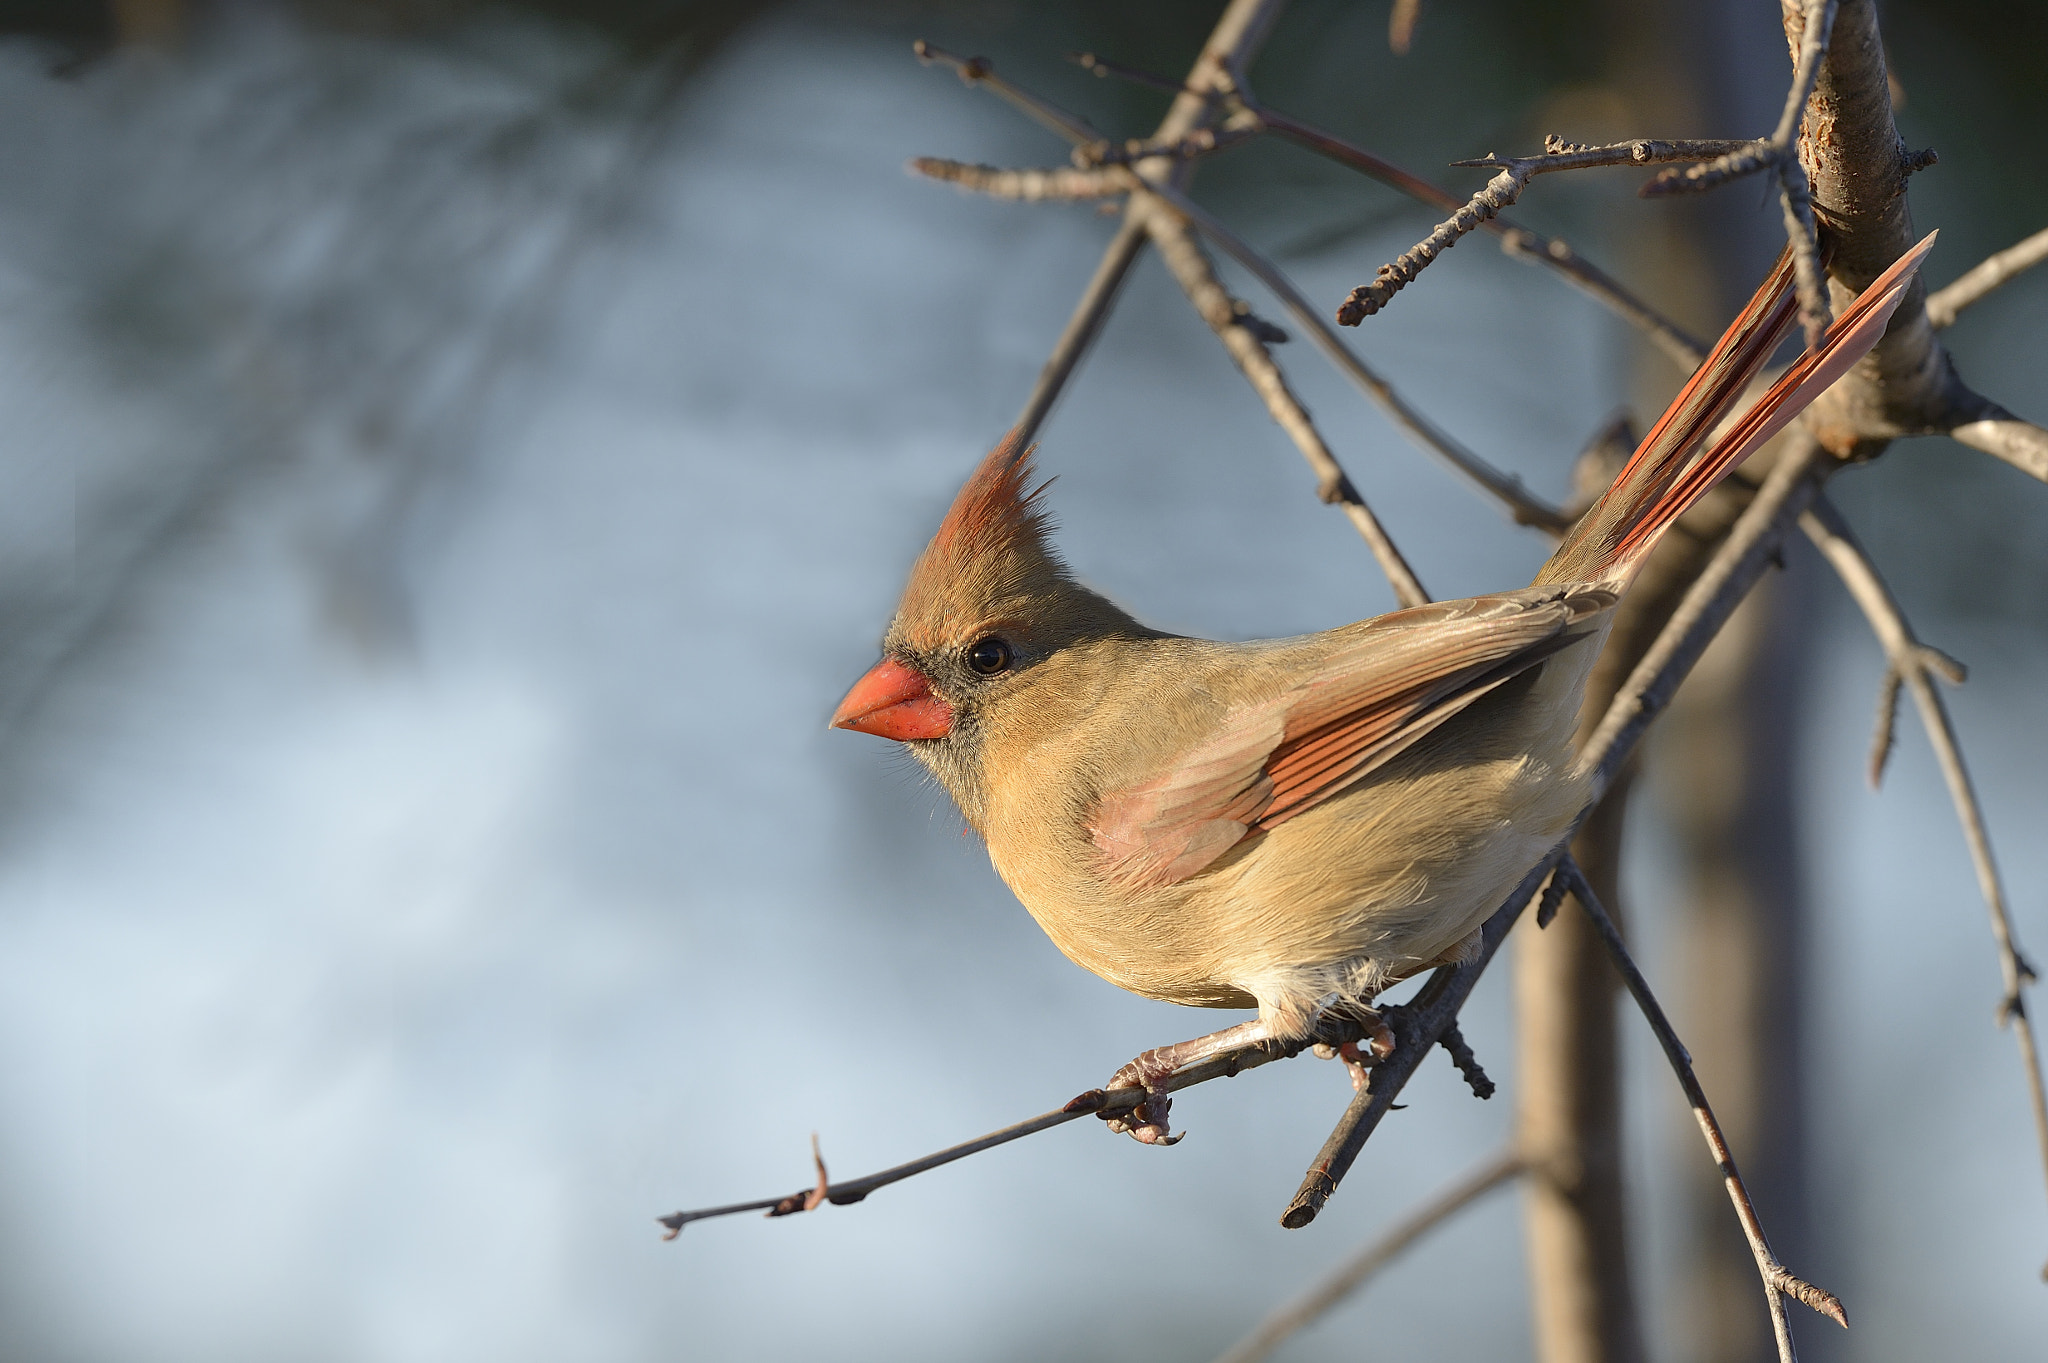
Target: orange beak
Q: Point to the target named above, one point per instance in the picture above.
(894, 701)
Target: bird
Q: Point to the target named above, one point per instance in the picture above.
(1291, 824)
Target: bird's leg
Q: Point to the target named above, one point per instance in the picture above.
(1146, 1122)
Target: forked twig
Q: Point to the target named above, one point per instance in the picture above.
(1517, 241)
(1718, 162)
(1778, 1281)
(1197, 278)
(1297, 1315)
(1504, 189)
(1909, 662)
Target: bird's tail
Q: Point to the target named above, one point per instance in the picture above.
(1663, 479)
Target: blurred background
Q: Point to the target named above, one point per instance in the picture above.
(457, 454)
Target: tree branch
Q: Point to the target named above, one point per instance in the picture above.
(1297, 1315)
(1516, 241)
(1713, 596)
(1526, 508)
(1197, 278)
(1776, 1278)
(1055, 184)
(1944, 304)
(1909, 662)
(1502, 190)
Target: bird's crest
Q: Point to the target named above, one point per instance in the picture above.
(991, 552)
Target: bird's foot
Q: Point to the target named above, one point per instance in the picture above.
(1147, 1122)
(1378, 1044)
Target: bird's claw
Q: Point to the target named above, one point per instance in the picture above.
(1147, 1122)
(1378, 1043)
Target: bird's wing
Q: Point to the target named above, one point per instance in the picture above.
(1369, 698)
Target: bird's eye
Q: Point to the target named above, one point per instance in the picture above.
(988, 656)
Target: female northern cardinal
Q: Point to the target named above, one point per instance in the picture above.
(1290, 823)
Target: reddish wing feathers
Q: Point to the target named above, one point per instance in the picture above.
(1860, 327)
(1645, 481)
(1369, 699)
(1658, 485)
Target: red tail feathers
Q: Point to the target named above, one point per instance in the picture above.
(1660, 482)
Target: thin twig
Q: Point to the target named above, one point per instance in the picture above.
(978, 71)
(1502, 190)
(1776, 1278)
(1518, 242)
(1526, 508)
(1201, 142)
(1225, 1066)
(1297, 1315)
(1054, 184)
(1197, 277)
(1083, 326)
(1909, 661)
(1982, 278)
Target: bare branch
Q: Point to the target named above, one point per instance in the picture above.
(1297, 1315)
(1986, 426)
(1201, 142)
(978, 71)
(1910, 662)
(1987, 275)
(1197, 277)
(1502, 190)
(1776, 1278)
(1518, 242)
(1059, 183)
(1526, 507)
(1082, 327)
(1224, 1066)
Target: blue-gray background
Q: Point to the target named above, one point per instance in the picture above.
(451, 474)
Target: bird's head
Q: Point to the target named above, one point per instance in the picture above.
(987, 605)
